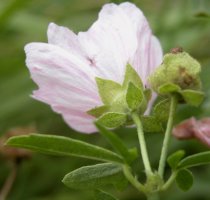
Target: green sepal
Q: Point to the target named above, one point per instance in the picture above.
(117, 144)
(202, 158)
(108, 90)
(95, 177)
(112, 119)
(168, 88)
(63, 146)
(98, 111)
(161, 110)
(148, 94)
(174, 159)
(184, 179)
(132, 76)
(101, 195)
(151, 124)
(134, 97)
(192, 97)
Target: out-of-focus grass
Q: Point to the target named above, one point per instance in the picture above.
(176, 23)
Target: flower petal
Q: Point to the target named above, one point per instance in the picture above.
(185, 130)
(65, 69)
(155, 55)
(65, 82)
(143, 34)
(110, 42)
(64, 38)
(155, 58)
(202, 131)
(149, 53)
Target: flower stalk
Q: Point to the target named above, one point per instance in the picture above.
(132, 179)
(169, 182)
(166, 140)
(142, 143)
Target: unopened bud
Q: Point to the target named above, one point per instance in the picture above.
(177, 68)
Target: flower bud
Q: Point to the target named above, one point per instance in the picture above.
(178, 68)
(185, 130)
(192, 128)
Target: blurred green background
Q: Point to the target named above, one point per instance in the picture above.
(176, 23)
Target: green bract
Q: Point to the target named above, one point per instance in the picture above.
(120, 100)
(178, 73)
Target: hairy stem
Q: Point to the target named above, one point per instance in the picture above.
(153, 196)
(166, 140)
(132, 179)
(169, 182)
(143, 146)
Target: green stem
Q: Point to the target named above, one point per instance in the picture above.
(132, 179)
(142, 143)
(153, 196)
(169, 127)
(169, 181)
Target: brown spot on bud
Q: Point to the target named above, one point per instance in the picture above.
(176, 50)
(186, 79)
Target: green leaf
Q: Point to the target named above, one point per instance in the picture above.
(184, 179)
(192, 97)
(112, 119)
(132, 76)
(95, 176)
(134, 96)
(101, 195)
(173, 159)
(108, 90)
(202, 158)
(151, 124)
(117, 144)
(168, 88)
(98, 111)
(63, 146)
(161, 110)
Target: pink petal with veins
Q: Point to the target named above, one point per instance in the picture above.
(202, 131)
(65, 68)
(185, 130)
(192, 128)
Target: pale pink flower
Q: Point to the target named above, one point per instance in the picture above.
(192, 128)
(65, 68)
(185, 130)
